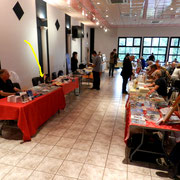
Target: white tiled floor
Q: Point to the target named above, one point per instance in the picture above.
(83, 142)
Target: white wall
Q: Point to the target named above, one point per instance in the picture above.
(15, 54)
(86, 44)
(56, 39)
(106, 41)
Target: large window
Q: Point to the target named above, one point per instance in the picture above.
(131, 45)
(174, 49)
(155, 45)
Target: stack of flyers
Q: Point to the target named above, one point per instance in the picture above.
(152, 111)
(147, 104)
(161, 104)
(165, 110)
(174, 120)
(135, 111)
(139, 104)
(152, 115)
(136, 119)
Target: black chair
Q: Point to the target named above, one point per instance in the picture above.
(54, 76)
(37, 80)
(60, 73)
(17, 85)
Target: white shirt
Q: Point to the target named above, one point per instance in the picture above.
(176, 74)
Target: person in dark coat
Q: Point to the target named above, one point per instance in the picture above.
(151, 57)
(112, 62)
(74, 61)
(126, 72)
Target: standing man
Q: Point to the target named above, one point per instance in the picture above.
(151, 57)
(112, 62)
(96, 70)
(126, 72)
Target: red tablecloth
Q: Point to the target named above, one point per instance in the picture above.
(149, 124)
(71, 86)
(33, 114)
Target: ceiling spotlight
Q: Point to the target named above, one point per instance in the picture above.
(83, 12)
(101, 27)
(105, 29)
(135, 15)
(171, 9)
(107, 16)
(97, 23)
(86, 14)
(94, 18)
(98, 3)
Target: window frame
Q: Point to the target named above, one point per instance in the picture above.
(177, 55)
(133, 46)
(151, 46)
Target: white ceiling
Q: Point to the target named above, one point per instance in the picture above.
(134, 13)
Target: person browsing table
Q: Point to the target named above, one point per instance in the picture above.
(126, 72)
(96, 70)
(159, 85)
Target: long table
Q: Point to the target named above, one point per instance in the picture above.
(33, 114)
(149, 125)
(71, 86)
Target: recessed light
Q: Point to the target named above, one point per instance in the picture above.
(98, 3)
(171, 9)
(107, 16)
(94, 18)
(101, 27)
(105, 29)
(97, 23)
(135, 15)
(86, 14)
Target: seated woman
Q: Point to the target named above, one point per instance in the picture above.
(6, 86)
(159, 85)
(151, 69)
(74, 61)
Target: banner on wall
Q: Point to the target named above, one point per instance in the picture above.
(68, 62)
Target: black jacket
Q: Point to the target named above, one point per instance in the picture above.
(74, 63)
(127, 68)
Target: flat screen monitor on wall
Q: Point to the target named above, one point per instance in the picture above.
(77, 32)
